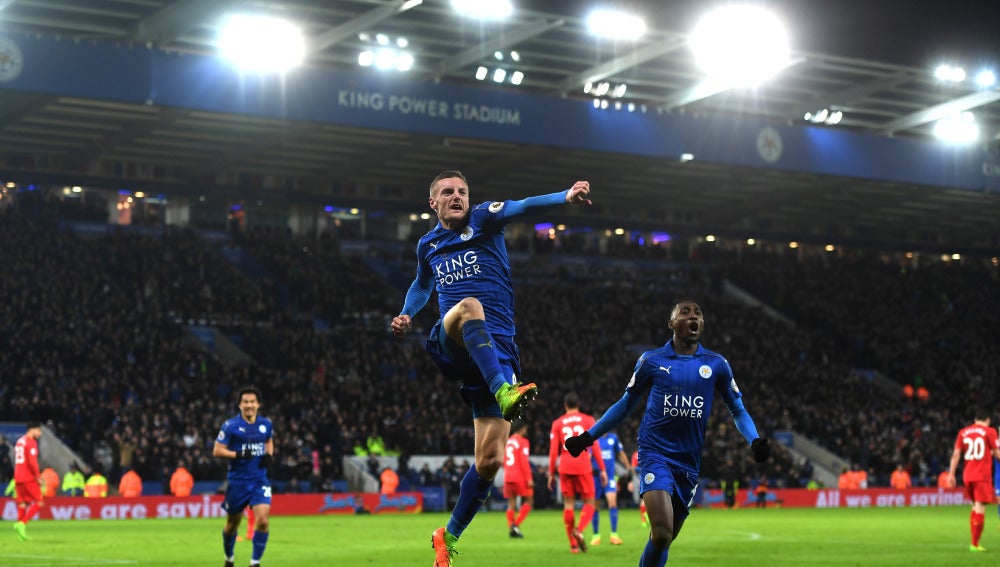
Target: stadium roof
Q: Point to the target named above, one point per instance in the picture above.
(558, 57)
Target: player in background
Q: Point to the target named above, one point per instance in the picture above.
(681, 378)
(976, 444)
(633, 486)
(248, 440)
(27, 478)
(575, 473)
(517, 480)
(465, 259)
(611, 447)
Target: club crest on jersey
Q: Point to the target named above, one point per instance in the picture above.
(648, 478)
(262, 429)
(222, 435)
(495, 206)
(705, 371)
(467, 233)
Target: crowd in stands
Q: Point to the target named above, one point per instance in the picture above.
(96, 348)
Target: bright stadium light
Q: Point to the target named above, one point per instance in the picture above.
(949, 73)
(741, 44)
(986, 78)
(261, 43)
(614, 24)
(961, 129)
(484, 9)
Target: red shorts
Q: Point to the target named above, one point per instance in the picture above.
(577, 485)
(980, 491)
(518, 488)
(28, 492)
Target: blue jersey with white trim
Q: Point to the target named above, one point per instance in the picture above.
(237, 434)
(610, 446)
(681, 389)
(473, 262)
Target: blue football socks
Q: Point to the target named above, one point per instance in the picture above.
(471, 495)
(479, 344)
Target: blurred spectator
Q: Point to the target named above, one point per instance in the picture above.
(130, 485)
(50, 482)
(389, 481)
(900, 478)
(73, 481)
(181, 481)
(96, 486)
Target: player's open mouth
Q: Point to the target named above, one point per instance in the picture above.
(693, 327)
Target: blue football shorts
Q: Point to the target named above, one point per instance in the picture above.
(660, 474)
(456, 364)
(239, 495)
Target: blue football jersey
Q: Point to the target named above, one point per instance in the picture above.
(472, 263)
(610, 446)
(681, 389)
(237, 434)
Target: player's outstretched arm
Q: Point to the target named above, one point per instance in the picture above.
(416, 297)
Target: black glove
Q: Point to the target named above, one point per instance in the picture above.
(247, 453)
(760, 449)
(579, 443)
(265, 461)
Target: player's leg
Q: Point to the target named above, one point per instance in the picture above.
(465, 324)
(569, 515)
(660, 511)
(229, 535)
(980, 494)
(527, 497)
(508, 492)
(595, 520)
(491, 434)
(262, 517)
(612, 497)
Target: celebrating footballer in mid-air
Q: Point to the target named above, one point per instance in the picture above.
(465, 259)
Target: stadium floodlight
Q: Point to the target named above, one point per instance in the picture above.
(516, 78)
(261, 43)
(960, 129)
(740, 44)
(499, 75)
(986, 78)
(615, 24)
(824, 116)
(481, 73)
(949, 73)
(484, 9)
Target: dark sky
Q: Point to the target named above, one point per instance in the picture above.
(917, 33)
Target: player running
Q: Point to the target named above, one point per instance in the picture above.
(681, 378)
(247, 439)
(611, 447)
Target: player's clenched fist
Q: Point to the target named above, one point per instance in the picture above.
(578, 194)
(401, 324)
(579, 443)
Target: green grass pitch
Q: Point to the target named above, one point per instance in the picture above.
(876, 536)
